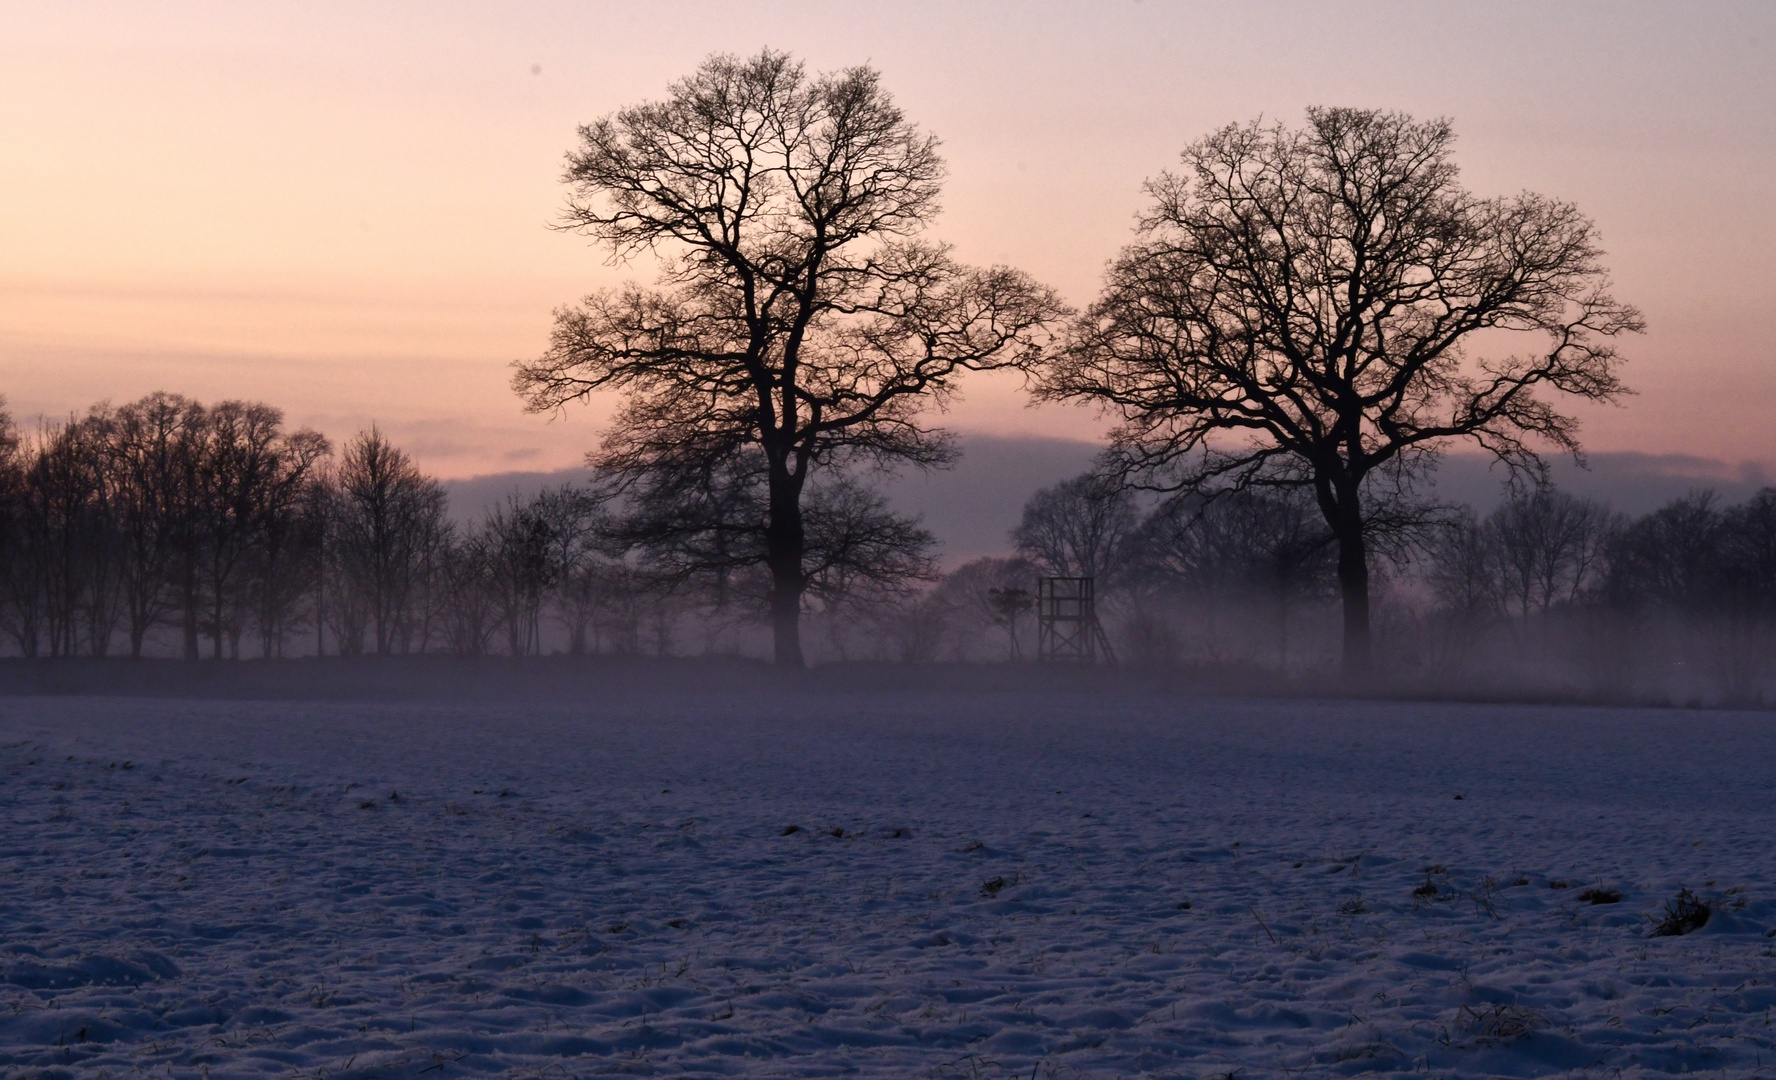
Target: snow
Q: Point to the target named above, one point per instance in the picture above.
(978, 885)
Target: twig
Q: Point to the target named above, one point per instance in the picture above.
(1255, 915)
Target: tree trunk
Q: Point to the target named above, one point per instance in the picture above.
(784, 541)
(1353, 586)
(216, 630)
(1283, 630)
(189, 615)
(320, 606)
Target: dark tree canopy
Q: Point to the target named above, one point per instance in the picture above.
(798, 314)
(1320, 306)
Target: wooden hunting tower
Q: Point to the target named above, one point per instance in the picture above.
(1067, 628)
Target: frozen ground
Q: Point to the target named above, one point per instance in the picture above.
(978, 885)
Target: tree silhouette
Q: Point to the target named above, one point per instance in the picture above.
(1549, 546)
(797, 314)
(250, 480)
(388, 521)
(1316, 307)
(1009, 604)
(715, 526)
(1262, 544)
(1078, 528)
(153, 446)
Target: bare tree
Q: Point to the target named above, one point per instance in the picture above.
(1009, 604)
(9, 437)
(389, 521)
(27, 541)
(857, 551)
(1461, 568)
(1313, 307)
(1748, 587)
(1686, 578)
(1549, 548)
(1078, 528)
(468, 611)
(1262, 545)
(101, 591)
(575, 519)
(68, 529)
(286, 560)
(710, 530)
(581, 593)
(621, 610)
(1748, 558)
(251, 479)
(980, 594)
(17, 592)
(914, 630)
(1670, 559)
(797, 315)
(149, 448)
(520, 542)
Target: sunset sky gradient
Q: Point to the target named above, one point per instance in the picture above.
(343, 208)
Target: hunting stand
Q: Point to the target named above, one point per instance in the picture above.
(1067, 627)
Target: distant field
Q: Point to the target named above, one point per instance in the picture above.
(899, 884)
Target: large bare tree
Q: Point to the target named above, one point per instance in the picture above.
(1325, 307)
(797, 314)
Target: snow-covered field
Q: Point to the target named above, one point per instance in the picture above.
(976, 885)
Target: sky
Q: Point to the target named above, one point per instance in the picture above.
(344, 208)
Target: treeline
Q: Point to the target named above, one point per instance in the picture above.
(1680, 601)
(1548, 592)
(168, 527)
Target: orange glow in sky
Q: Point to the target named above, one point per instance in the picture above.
(342, 208)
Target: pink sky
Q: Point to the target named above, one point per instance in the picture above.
(341, 208)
